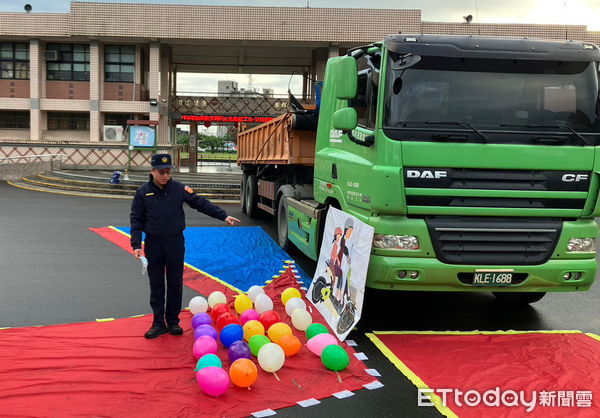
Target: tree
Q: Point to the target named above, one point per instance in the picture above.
(213, 143)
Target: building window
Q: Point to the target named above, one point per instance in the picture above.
(72, 62)
(68, 121)
(14, 61)
(14, 120)
(119, 63)
(117, 119)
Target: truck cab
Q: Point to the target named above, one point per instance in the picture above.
(474, 158)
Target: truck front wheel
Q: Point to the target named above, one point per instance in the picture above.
(243, 193)
(251, 196)
(282, 224)
(518, 298)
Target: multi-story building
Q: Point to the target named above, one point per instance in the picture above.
(66, 78)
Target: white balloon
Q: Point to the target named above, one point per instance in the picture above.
(301, 319)
(198, 304)
(271, 357)
(254, 291)
(263, 303)
(294, 303)
(215, 298)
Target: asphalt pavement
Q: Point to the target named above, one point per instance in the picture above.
(54, 270)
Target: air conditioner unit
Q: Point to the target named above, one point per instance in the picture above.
(51, 55)
(113, 133)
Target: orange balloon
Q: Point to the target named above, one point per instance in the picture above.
(252, 328)
(278, 330)
(243, 372)
(290, 344)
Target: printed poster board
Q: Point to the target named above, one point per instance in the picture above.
(141, 136)
(338, 287)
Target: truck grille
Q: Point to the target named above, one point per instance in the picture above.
(493, 241)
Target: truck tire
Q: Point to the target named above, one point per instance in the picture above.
(282, 224)
(518, 298)
(251, 196)
(243, 193)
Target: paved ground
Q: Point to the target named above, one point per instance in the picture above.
(54, 270)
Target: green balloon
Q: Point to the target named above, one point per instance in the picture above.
(256, 342)
(208, 360)
(316, 329)
(335, 357)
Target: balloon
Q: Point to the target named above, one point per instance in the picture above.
(212, 380)
(218, 310)
(263, 303)
(290, 344)
(198, 304)
(205, 329)
(201, 318)
(231, 333)
(226, 319)
(278, 330)
(317, 343)
(243, 372)
(271, 357)
(268, 318)
(208, 360)
(249, 315)
(290, 292)
(257, 342)
(204, 345)
(294, 303)
(315, 329)
(301, 319)
(335, 358)
(242, 304)
(254, 291)
(237, 350)
(215, 298)
(252, 328)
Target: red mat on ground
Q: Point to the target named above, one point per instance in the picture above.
(565, 365)
(109, 369)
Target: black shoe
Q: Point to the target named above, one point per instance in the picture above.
(175, 329)
(155, 331)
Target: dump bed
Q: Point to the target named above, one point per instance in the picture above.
(277, 142)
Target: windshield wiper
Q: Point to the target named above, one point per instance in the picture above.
(468, 125)
(582, 138)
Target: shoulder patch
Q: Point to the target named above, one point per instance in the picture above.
(149, 194)
(188, 189)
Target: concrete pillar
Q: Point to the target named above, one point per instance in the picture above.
(193, 147)
(35, 89)
(164, 126)
(154, 79)
(95, 91)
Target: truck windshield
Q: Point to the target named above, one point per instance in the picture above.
(509, 101)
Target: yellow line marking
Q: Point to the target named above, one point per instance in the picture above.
(594, 336)
(18, 186)
(508, 332)
(5, 328)
(137, 316)
(105, 319)
(416, 380)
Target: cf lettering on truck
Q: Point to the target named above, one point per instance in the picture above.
(476, 159)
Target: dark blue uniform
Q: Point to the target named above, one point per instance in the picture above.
(159, 213)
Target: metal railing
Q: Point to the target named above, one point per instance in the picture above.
(7, 160)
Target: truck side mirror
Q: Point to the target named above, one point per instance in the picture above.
(346, 77)
(345, 119)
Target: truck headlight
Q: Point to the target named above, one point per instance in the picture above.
(581, 245)
(396, 242)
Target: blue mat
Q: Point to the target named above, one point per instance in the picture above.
(240, 256)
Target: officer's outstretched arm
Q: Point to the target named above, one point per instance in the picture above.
(203, 205)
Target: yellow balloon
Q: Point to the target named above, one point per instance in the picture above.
(278, 330)
(290, 292)
(242, 303)
(252, 328)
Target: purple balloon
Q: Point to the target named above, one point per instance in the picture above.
(201, 319)
(239, 349)
(205, 329)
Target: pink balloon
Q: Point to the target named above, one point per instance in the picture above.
(204, 345)
(249, 315)
(318, 343)
(213, 380)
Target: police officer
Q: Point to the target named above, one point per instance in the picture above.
(157, 210)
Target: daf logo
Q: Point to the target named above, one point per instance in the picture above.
(569, 178)
(426, 174)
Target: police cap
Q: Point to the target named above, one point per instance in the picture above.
(161, 161)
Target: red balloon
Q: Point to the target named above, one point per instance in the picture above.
(269, 318)
(218, 310)
(226, 319)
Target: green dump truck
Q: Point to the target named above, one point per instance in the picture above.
(475, 159)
